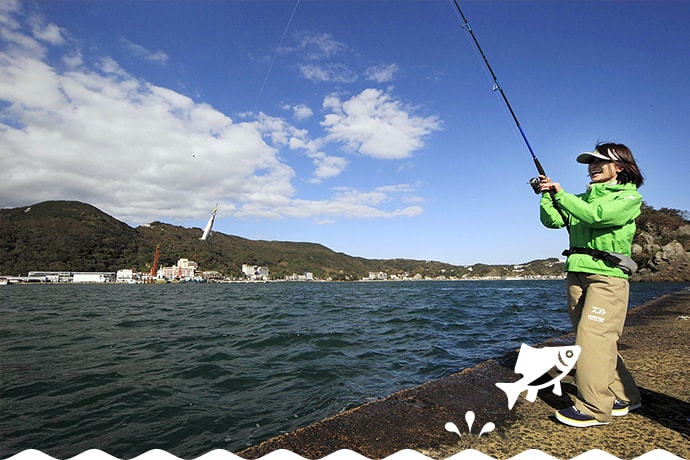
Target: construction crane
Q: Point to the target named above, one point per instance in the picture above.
(154, 267)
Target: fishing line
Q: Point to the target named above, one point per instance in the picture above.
(497, 87)
(273, 59)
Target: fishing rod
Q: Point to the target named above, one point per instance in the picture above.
(534, 182)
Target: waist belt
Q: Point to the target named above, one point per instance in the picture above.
(613, 259)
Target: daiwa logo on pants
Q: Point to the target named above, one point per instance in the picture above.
(597, 314)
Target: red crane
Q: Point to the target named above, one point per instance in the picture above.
(154, 267)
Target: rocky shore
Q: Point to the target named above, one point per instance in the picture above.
(655, 345)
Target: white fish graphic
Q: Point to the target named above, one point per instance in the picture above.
(209, 224)
(532, 363)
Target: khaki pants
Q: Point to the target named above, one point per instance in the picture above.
(597, 306)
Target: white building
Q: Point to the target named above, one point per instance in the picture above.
(52, 277)
(184, 270)
(212, 276)
(306, 276)
(93, 277)
(125, 276)
(254, 272)
(380, 276)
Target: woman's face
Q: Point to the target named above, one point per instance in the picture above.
(601, 171)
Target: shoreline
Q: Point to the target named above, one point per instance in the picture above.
(655, 344)
(15, 280)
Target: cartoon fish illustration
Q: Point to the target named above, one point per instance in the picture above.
(532, 363)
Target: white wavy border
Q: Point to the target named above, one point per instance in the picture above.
(344, 454)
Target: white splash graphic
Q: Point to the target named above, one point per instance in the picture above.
(469, 419)
(453, 428)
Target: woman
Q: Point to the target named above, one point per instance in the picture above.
(601, 224)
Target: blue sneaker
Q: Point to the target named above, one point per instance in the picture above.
(621, 408)
(574, 417)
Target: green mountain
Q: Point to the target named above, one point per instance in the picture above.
(74, 236)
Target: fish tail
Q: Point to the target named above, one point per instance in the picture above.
(512, 391)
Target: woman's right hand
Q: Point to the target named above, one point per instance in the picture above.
(546, 185)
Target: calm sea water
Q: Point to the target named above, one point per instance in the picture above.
(193, 367)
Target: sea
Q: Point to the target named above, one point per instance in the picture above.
(189, 368)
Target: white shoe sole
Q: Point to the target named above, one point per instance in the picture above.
(578, 423)
(624, 411)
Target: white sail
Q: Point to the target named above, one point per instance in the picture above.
(209, 225)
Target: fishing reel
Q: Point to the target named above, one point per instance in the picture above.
(536, 185)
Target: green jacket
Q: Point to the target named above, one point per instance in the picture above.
(601, 218)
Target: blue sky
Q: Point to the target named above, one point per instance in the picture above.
(368, 126)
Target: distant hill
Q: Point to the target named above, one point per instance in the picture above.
(63, 235)
(75, 236)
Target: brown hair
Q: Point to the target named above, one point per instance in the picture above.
(630, 172)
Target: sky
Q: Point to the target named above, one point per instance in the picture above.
(370, 127)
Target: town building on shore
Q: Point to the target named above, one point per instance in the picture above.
(94, 277)
(185, 269)
(71, 277)
(50, 276)
(306, 276)
(255, 273)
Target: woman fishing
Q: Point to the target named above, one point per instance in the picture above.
(601, 224)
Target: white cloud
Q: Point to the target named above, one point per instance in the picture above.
(381, 73)
(302, 112)
(7, 7)
(141, 52)
(140, 151)
(316, 46)
(143, 152)
(331, 72)
(50, 33)
(327, 166)
(10, 34)
(347, 202)
(73, 60)
(110, 66)
(320, 58)
(375, 124)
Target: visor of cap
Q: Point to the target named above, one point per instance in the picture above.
(588, 157)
